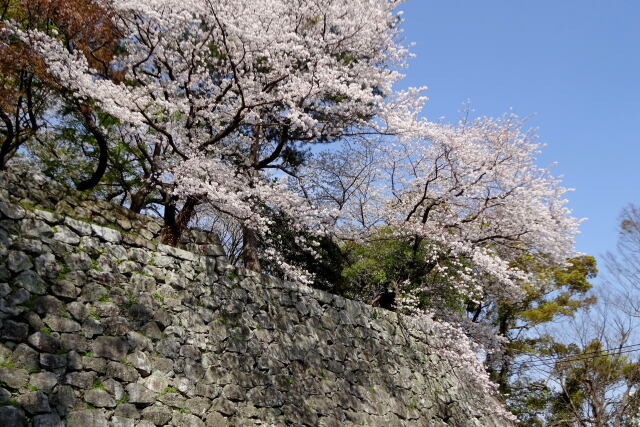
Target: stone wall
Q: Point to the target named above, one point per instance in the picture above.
(102, 325)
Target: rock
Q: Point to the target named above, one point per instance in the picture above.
(127, 410)
(91, 327)
(82, 380)
(140, 361)
(5, 396)
(35, 402)
(46, 266)
(158, 414)
(74, 361)
(63, 398)
(80, 227)
(65, 289)
(198, 405)
(140, 394)
(53, 361)
(43, 342)
(75, 342)
(117, 421)
(19, 296)
(78, 310)
(94, 364)
(11, 211)
(114, 387)
(26, 357)
(216, 419)
(223, 406)
(44, 380)
(122, 372)
(14, 331)
(86, 418)
(13, 377)
(99, 398)
(31, 282)
(61, 324)
(65, 235)
(18, 261)
(114, 348)
(186, 420)
(11, 416)
(48, 305)
(177, 252)
(47, 420)
(107, 234)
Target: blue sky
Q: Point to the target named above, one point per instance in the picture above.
(574, 64)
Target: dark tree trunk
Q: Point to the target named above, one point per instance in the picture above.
(250, 250)
(103, 149)
(176, 225)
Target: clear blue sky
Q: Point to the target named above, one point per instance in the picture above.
(575, 64)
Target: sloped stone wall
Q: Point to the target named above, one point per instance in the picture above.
(102, 326)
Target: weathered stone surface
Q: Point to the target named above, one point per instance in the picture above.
(61, 324)
(35, 402)
(186, 420)
(18, 261)
(53, 361)
(9, 210)
(107, 234)
(127, 410)
(140, 394)
(26, 357)
(122, 372)
(31, 282)
(14, 331)
(14, 417)
(13, 377)
(44, 342)
(44, 381)
(99, 398)
(87, 417)
(48, 304)
(47, 420)
(140, 361)
(159, 335)
(114, 348)
(158, 414)
(82, 380)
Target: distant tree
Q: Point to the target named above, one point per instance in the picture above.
(623, 265)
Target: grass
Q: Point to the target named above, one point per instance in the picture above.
(7, 363)
(169, 390)
(88, 354)
(33, 388)
(46, 330)
(64, 270)
(183, 411)
(104, 298)
(11, 402)
(123, 399)
(94, 266)
(157, 296)
(97, 386)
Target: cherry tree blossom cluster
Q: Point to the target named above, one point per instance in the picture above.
(234, 91)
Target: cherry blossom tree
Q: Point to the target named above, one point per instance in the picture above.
(471, 192)
(235, 88)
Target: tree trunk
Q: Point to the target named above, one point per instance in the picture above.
(103, 149)
(250, 250)
(175, 226)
